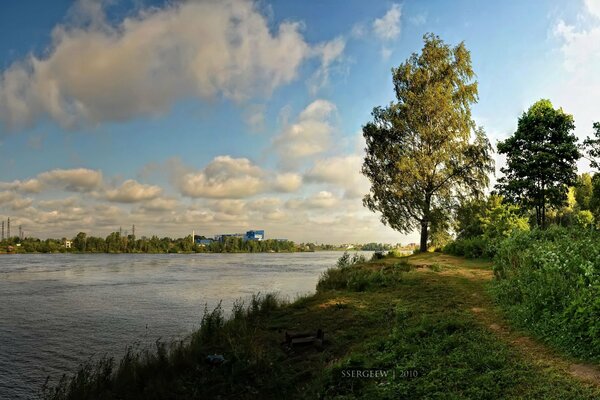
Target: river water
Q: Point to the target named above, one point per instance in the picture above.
(58, 310)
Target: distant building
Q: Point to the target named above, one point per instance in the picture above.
(249, 235)
(255, 235)
(68, 244)
(224, 236)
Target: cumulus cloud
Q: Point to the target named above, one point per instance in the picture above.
(578, 90)
(13, 201)
(309, 135)
(132, 191)
(27, 186)
(341, 171)
(388, 26)
(223, 177)
(95, 71)
(287, 182)
(159, 205)
(58, 204)
(73, 180)
(321, 200)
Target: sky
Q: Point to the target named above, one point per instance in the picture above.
(226, 116)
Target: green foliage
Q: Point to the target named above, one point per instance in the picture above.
(475, 247)
(595, 198)
(491, 217)
(549, 281)
(482, 224)
(347, 260)
(117, 243)
(541, 159)
(347, 275)
(499, 219)
(584, 191)
(424, 148)
(584, 218)
(592, 147)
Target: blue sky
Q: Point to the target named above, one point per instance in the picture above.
(231, 115)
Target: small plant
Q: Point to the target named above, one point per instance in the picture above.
(436, 267)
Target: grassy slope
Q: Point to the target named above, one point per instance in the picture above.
(434, 317)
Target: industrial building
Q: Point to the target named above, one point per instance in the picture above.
(257, 235)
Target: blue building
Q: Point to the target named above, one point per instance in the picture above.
(255, 235)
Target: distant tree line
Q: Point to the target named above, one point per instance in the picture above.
(117, 243)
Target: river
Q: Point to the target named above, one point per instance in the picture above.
(58, 310)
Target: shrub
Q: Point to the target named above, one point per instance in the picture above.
(348, 276)
(549, 281)
(475, 247)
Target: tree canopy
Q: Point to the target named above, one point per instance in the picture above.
(541, 159)
(591, 145)
(424, 151)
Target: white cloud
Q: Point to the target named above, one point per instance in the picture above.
(73, 180)
(132, 191)
(28, 186)
(95, 71)
(13, 201)
(265, 204)
(388, 26)
(159, 205)
(287, 182)
(309, 135)
(593, 7)
(341, 171)
(578, 89)
(223, 177)
(320, 200)
(330, 52)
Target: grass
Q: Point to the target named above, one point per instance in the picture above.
(425, 320)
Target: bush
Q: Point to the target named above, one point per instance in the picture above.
(348, 276)
(475, 247)
(549, 281)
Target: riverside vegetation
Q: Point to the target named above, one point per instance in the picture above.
(429, 320)
(117, 243)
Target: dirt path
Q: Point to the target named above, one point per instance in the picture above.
(469, 278)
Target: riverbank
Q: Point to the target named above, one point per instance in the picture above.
(427, 322)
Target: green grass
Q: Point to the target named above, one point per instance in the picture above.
(409, 316)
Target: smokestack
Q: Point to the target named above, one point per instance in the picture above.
(8, 227)
(3, 230)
